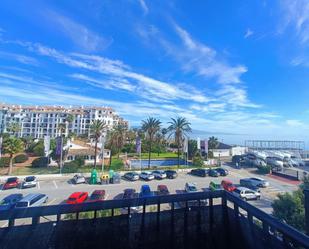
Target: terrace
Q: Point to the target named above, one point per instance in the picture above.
(169, 221)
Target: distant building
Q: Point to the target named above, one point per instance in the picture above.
(225, 150)
(39, 121)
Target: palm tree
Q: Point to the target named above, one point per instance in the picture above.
(121, 133)
(12, 146)
(178, 128)
(61, 129)
(96, 129)
(213, 143)
(150, 126)
(112, 139)
(68, 120)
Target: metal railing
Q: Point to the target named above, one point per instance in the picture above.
(268, 225)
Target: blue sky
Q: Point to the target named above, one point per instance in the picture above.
(235, 69)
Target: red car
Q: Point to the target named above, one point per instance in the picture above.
(97, 195)
(77, 197)
(11, 182)
(228, 185)
(162, 190)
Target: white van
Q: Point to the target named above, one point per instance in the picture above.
(32, 200)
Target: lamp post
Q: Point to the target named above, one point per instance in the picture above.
(102, 149)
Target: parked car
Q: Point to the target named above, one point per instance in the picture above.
(215, 186)
(259, 182)
(131, 176)
(199, 172)
(162, 190)
(32, 200)
(171, 174)
(228, 185)
(159, 174)
(11, 182)
(77, 197)
(10, 201)
(97, 195)
(246, 182)
(190, 187)
(145, 191)
(222, 171)
(29, 182)
(146, 176)
(246, 193)
(130, 193)
(213, 173)
(78, 179)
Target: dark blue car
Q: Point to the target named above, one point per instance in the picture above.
(10, 201)
(145, 191)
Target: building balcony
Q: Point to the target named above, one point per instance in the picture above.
(197, 220)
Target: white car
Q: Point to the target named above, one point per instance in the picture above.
(29, 182)
(190, 187)
(146, 176)
(159, 174)
(32, 200)
(78, 178)
(258, 182)
(246, 193)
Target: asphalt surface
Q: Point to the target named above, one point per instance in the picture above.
(58, 190)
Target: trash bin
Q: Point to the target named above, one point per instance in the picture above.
(93, 177)
(116, 178)
(104, 179)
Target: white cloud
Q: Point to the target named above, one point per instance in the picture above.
(200, 58)
(144, 6)
(27, 60)
(78, 33)
(294, 122)
(248, 33)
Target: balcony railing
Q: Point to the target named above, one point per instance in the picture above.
(235, 213)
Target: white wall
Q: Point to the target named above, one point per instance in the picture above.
(222, 153)
(238, 150)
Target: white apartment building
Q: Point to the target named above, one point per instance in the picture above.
(39, 121)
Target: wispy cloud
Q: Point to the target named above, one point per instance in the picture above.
(27, 60)
(294, 123)
(202, 59)
(144, 6)
(78, 33)
(248, 33)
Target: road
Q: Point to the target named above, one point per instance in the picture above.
(58, 190)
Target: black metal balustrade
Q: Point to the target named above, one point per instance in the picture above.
(240, 220)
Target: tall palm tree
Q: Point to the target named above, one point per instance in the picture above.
(120, 132)
(213, 143)
(12, 146)
(150, 126)
(112, 139)
(179, 127)
(96, 129)
(68, 120)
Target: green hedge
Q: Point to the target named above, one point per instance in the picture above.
(21, 158)
(4, 162)
(264, 170)
(40, 162)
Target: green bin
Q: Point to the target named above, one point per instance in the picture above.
(93, 178)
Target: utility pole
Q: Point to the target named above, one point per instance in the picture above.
(61, 153)
(102, 149)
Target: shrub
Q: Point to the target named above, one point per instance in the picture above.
(79, 160)
(40, 162)
(4, 162)
(20, 158)
(264, 170)
(198, 161)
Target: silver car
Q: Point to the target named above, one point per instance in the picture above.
(246, 193)
(29, 182)
(32, 200)
(146, 176)
(79, 178)
(258, 182)
(159, 174)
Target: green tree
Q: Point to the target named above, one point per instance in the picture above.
(96, 130)
(150, 126)
(12, 146)
(198, 160)
(14, 128)
(179, 127)
(120, 133)
(192, 148)
(111, 144)
(213, 143)
(68, 120)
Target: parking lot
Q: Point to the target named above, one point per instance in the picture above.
(58, 190)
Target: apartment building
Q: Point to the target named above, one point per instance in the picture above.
(39, 121)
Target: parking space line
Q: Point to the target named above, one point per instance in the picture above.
(55, 184)
(5, 225)
(38, 185)
(52, 201)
